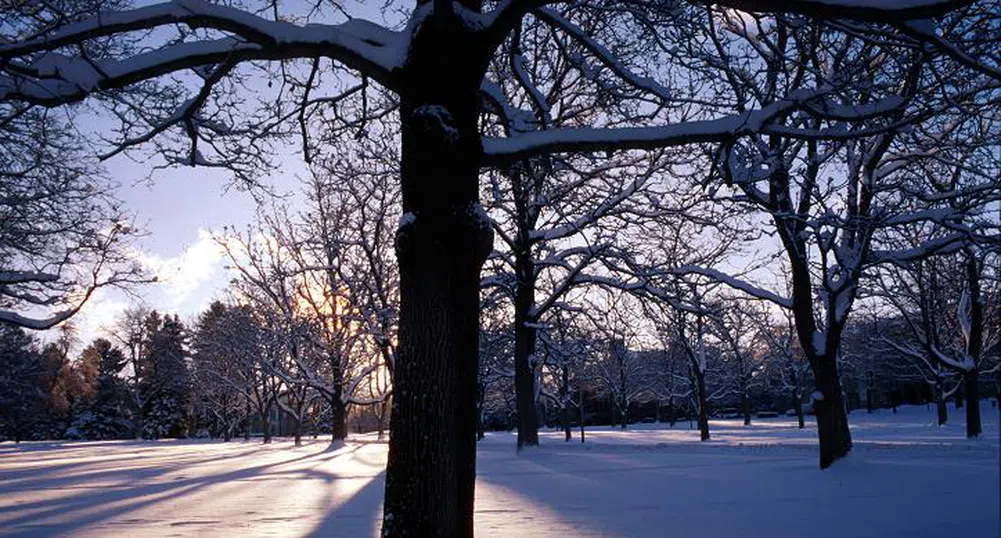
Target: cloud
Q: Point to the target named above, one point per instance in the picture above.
(192, 275)
(98, 316)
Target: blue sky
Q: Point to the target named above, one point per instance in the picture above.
(179, 210)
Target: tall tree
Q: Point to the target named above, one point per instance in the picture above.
(217, 368)
(166, 378)
(103, 413)
(20, 395)
(437, 66)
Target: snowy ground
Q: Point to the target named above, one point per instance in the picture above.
(906, 478)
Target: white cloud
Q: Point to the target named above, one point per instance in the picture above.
(98, 316)
(184, 276)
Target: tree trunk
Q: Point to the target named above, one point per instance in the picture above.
(480, 400)
(703, 411)
(746, 404)
(869, 405)
(297, 428)
(565, 402)
(941, 409)
(975, 344)
(441, 245)
(566, 422)
(383, 408)
(832, 420)
(338, 416)
(524, 350)
(138, 423)
(958, 397)
(797, 402)
(971, 386)
(266, 426)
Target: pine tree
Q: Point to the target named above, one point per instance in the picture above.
(20, 395)
(166, 378)
(102, 415)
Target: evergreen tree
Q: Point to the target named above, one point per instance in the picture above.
(218, 371)
(20, 395)
(165, 378)
(103, 414)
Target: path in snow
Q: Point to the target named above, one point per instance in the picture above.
(906, 478)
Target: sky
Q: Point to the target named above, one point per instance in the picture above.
(179, 210)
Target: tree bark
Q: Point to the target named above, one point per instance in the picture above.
(971, 386)
(266, 426)
(525, 370)
(481, 391)
(869, 404)
(524, 349)
(246, 421)
(297, 428)
(746, 404)
(382, 418)
(832, 420)
(338, 416)
(703, 411)
(441, 245)
(138, 423)
(565, 399)
(566, 423)
(799, 411)
(975, 346)
(941, 409)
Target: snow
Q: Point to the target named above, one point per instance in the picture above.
(905, 477)
(439, 118)
(407, 219)
(358, 43)
(605, 139)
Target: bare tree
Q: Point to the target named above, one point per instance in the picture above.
(786, 364)
(63, 234)
(218, 367)
(739, 326)
(437, 65)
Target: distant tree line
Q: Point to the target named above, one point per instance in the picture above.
(140, 389)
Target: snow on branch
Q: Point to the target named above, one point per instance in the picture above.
(725, 129)
(499, 22)
(926, 33)
(22, 277)
(945, 244)
(888, 11)
(735, 283)
(963, 364)
(34, 72)
(37, 324)
(603, 55)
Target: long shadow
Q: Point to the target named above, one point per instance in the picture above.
(358, 517)
(124, 499)
(602, 490)
(29, 479)
(38, 477)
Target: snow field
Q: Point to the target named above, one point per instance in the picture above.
(905, 478)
